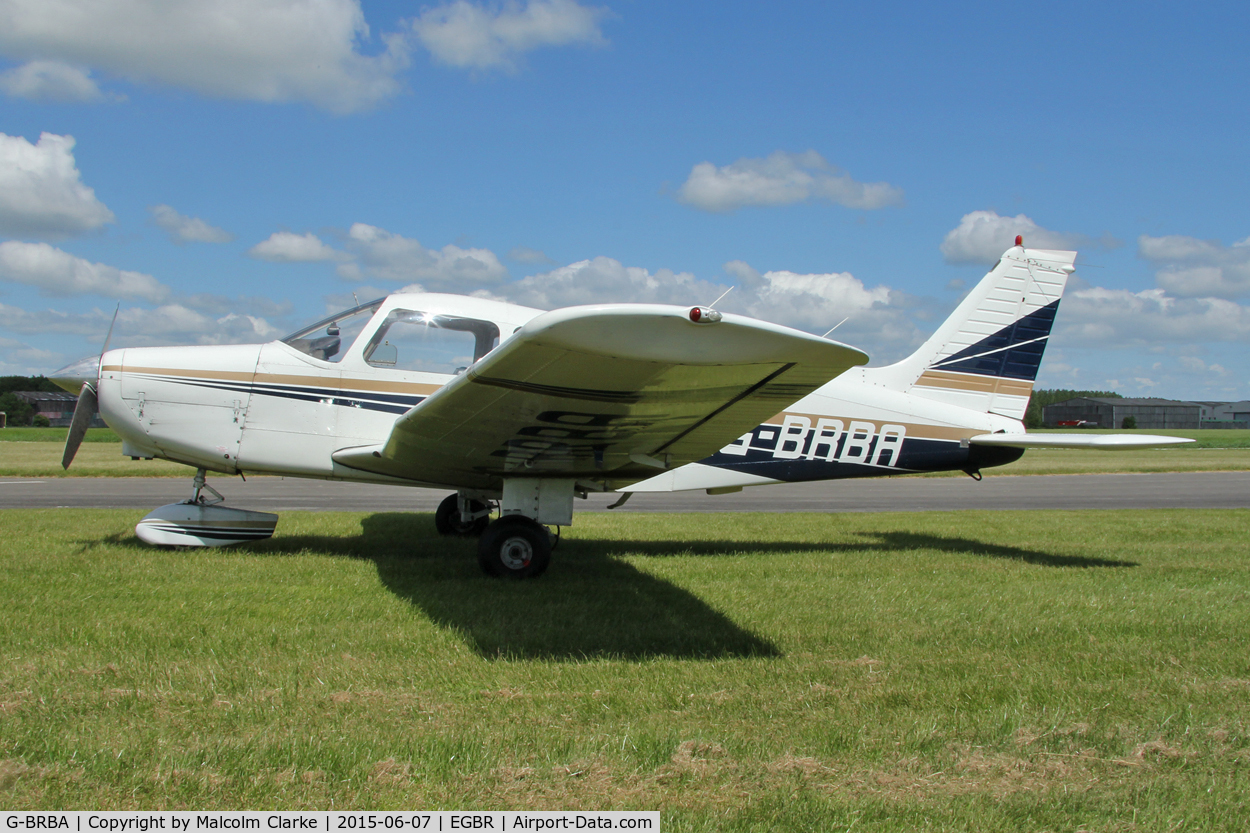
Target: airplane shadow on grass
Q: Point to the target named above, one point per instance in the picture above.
(591, 604)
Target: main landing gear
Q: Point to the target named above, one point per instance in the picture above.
(517, 545)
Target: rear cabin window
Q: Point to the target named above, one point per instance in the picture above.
(422, 341)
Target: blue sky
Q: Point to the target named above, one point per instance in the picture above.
(239, 168)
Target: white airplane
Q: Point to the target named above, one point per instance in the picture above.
(520, 410)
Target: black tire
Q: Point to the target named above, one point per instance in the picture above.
(514, 547)
(447, 518)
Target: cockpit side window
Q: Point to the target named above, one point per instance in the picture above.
(415, 340)
(329, 338)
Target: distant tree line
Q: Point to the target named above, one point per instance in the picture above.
(1044, 396)
(19, 412)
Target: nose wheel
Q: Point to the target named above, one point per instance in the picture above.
(514, 546)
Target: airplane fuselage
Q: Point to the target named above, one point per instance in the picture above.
(271, 409)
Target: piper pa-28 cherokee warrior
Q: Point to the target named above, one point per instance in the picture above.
(520, 410)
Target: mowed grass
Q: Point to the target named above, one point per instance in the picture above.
(36, 452)
(96, 459)
(30, 434)
(968, 670)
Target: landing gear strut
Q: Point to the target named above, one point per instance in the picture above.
(199, 484)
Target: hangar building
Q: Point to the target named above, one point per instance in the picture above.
(1109, 412)
(58, 407)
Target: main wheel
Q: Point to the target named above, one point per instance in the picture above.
(447, 518)
(514, 546)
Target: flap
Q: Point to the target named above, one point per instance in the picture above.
(606, 392)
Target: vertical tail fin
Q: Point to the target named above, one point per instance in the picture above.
(985, 356)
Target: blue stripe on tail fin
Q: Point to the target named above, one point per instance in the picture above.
(1014, 352)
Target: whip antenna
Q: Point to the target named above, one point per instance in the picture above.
(835, 326)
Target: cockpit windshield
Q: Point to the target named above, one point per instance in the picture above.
(406, 339)
(328, 338)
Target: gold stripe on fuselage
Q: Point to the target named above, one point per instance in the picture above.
(337, 382)
(216, 375)
(915, 430)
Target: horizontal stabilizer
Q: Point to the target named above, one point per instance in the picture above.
(1103, 442)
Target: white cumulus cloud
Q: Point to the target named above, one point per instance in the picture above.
(288, 247)
(56, 272)
(183, 229)
(472, 36)
(878, 319)
(606, 280)
(171, 323)
(781, 179)
(20, 359)
(382, 254)
(1189, 267)
(258, 50)
(41, 194)
(983, 236)
(1100, 317)
(50, 81)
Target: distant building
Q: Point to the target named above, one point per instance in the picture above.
(1209, 410)
(58, 407)
(1110, 412)
(1233, 411)
(1227, 415)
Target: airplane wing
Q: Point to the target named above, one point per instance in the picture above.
(608, 392)
(1104, 442)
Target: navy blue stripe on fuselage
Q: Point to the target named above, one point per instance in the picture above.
(877, 450)
(383, 402)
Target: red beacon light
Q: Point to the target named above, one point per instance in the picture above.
(1020, 240)
(704, 315)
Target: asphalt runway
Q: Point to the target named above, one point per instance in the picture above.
(1221, 490)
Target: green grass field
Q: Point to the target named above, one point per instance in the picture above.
(36, 452)
(940, 671)
(28, 434)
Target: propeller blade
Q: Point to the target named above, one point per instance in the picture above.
(78, 425)
(109, 336)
